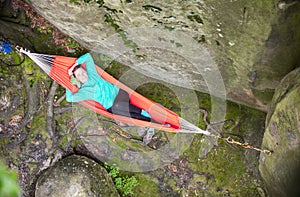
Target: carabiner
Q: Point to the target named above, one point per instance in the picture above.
(21, 49)
(18, 48)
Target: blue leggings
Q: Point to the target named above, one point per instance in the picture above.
(122, 106)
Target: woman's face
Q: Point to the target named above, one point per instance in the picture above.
(81, 75)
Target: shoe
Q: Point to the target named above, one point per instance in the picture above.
(148, 137)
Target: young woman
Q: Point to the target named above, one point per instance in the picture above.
(94, 87)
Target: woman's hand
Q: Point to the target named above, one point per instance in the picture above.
(70, 71)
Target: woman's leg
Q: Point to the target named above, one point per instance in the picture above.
(123, 107)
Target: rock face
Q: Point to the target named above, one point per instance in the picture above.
(75, 176)
(248, 46)
(17, 28)
(281, 170)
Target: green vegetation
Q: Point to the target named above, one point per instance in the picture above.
(195, 18)
(9, 65)
(265, 95)
(121, 32)
(9, 186)
(224, 170)
(33, 73)
(147, 185)
(44, 31)
(78, 2)
(124, 184)
(200, 39)
(160, 94)
(72, 43)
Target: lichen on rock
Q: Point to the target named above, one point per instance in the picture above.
(280, 171)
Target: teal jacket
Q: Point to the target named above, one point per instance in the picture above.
(96, 88)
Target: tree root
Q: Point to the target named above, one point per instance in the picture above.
(60, 110)
(57, 103)
(50, 114)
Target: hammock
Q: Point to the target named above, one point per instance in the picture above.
(166, 120)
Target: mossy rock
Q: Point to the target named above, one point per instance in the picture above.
(253, 44)
(280, 171)
(75, 176)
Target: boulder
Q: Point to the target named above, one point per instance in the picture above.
(245, 46)
(281, 170)
(75, 176)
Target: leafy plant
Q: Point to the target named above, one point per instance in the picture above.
(72, 43)
(40, 30)
(124, 184)
(9, 186)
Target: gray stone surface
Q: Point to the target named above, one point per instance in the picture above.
(75, 176)
(281, 170)
(248, 46)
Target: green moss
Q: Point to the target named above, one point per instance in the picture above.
(200, 39)
(38, 126)
(116, 69)
(225, 165)
(10, 66)
(160, 94)
(170, 28)
(226, 169)
(178, 45)
(102, 60)
(75, 2)
(79, 2)
(195, 18)
(147, 185)
(280, 170)
(172, 184)
(65, 138)
(121, 144)
(121, 32)
(3, 143)
(32, 72)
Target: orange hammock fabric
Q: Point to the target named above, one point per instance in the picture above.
(162, 115)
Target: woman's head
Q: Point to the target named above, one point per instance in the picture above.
(80, 74)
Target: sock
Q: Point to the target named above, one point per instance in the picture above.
(145, 113)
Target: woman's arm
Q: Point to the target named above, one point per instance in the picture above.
(81, 95)
(89, 62)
